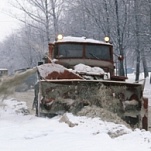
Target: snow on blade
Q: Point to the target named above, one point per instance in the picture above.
(47, 69)
(56, 71)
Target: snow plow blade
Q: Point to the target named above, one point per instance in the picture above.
(76, 95)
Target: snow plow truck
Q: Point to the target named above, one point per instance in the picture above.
(79, 73)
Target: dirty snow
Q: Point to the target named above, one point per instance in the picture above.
(22, 132)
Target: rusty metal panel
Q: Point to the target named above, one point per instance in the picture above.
(55, 71)
(145, 114)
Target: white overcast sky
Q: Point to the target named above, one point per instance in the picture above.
(8, 25)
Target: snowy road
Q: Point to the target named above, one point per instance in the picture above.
(20, 132)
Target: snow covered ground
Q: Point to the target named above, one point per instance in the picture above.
(20, 131)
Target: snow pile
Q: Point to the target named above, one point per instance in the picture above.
(105, 115)
(81, 68)
(12, 107)
(22, 133)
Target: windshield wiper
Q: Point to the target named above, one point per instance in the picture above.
(94, 56)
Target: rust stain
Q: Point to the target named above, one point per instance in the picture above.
(62, 75)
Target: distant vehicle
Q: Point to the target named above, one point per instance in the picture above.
(130, 70)
(149, 69)
(3, 72)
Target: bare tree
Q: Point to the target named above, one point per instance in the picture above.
(137, 37)
(111, 18)
(45, 13)
(147, 35)
(119, 40)
(121, 20)
(30, 46)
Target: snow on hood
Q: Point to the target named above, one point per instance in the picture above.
(81, 68)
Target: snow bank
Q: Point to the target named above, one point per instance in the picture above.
(29, 133)
(12, 107)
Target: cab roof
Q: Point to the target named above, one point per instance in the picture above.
(80, 40)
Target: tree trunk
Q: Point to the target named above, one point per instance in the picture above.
(107, 19)
(47, 22)
(137, 40)
(55, 19)
(121, 63)
(144, 64)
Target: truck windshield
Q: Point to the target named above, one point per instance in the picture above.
(90, 51)
(70, 50)
(98, 52)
